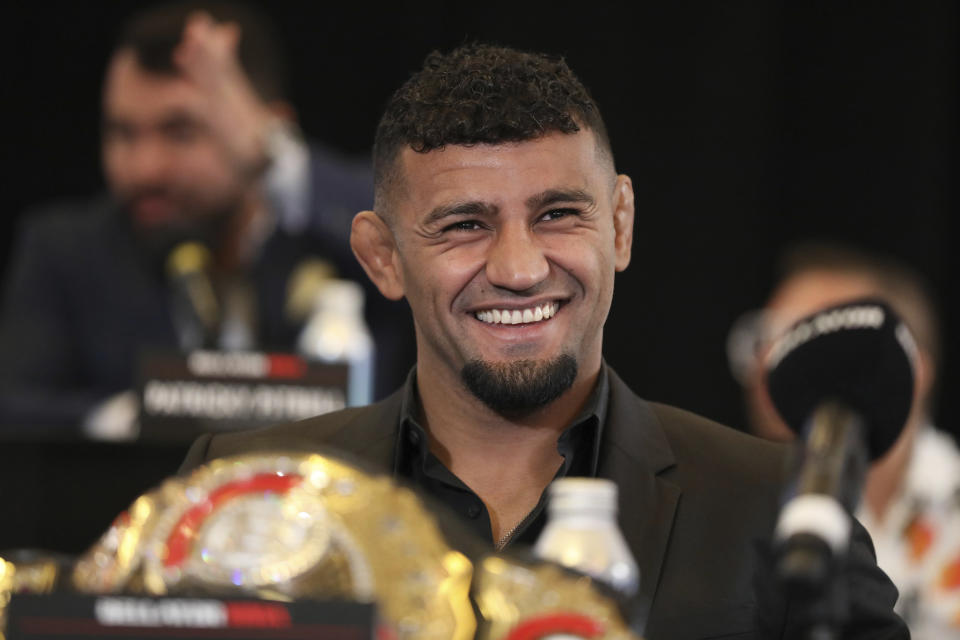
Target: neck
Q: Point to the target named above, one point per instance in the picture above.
(464, 428)
(507, 462)
(235, 251)
(886, 476)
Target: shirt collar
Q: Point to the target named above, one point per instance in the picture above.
(579, 443)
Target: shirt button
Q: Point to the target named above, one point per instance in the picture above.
(473, 511)
(413, 436)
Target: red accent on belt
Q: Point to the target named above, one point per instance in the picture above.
(179, 541)
(542, 626)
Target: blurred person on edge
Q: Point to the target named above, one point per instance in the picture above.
(911, 500)
(198, 144)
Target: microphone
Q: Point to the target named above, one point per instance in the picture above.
(859, 353)
(195, 306)
(303, 286)
(842, 379)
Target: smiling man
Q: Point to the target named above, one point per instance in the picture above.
(500, 218)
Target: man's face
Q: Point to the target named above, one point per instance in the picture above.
(507, 253)
(160, 156)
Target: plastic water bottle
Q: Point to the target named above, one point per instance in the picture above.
(336, 333)
(582, 533)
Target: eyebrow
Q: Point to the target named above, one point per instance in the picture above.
(554, 196)
(472, 208)
(173, 118)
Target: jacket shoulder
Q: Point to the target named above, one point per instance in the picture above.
(706, 444)
(71, 215)
(67, 229)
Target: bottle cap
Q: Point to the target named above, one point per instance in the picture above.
(340, 296)
(583, 494)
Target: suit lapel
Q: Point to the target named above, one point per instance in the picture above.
(372, 434)
(634, 453)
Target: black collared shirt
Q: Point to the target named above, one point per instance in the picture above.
(579, 445)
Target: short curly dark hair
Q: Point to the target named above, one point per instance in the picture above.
(482, 94)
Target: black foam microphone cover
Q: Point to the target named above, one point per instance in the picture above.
(859, 354)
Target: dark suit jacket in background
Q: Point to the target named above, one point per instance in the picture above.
(82, 300)
(695, 497)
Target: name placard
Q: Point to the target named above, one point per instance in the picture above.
(184, 395)
(57, 616)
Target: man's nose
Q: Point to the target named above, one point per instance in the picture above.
(516, 260)
(148, 162)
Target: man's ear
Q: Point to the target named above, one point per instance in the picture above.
(373, 243)
(623, 221)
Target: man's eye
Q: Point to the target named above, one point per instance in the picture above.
(463, 225)
(556, 214)
(182, 132)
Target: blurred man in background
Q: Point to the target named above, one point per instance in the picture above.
(911, 500)
(199, 144)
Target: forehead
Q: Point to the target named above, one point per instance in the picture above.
(500, 173)
(810, 291)
(131, 91)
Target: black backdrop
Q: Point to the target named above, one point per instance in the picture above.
(745, 125)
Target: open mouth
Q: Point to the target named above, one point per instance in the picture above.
(529, 315)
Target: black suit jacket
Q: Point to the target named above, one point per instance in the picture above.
(695, 499)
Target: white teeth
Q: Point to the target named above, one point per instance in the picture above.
(518, 316)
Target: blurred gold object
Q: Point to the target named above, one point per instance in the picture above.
(34, 573)
(189, 263)
(188, 257)
(288, 526)
(521, 601)
(115, 562)
(303, 285)
(6, 589)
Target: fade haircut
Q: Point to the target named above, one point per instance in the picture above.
(154, 33)
(481, 94)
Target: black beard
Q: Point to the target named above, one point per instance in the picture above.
(156, 243)
(517, 389)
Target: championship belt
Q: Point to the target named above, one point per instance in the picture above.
(32, 572)
(290, 526)
(521, 601)
(114, 563)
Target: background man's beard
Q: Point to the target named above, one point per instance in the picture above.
(207, 227)
(519, 388)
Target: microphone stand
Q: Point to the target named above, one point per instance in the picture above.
(813, 532)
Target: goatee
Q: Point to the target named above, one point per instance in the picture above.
(515, 389)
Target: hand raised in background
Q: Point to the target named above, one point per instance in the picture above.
(238, 116)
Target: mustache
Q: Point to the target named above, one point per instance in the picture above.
(135, 194)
